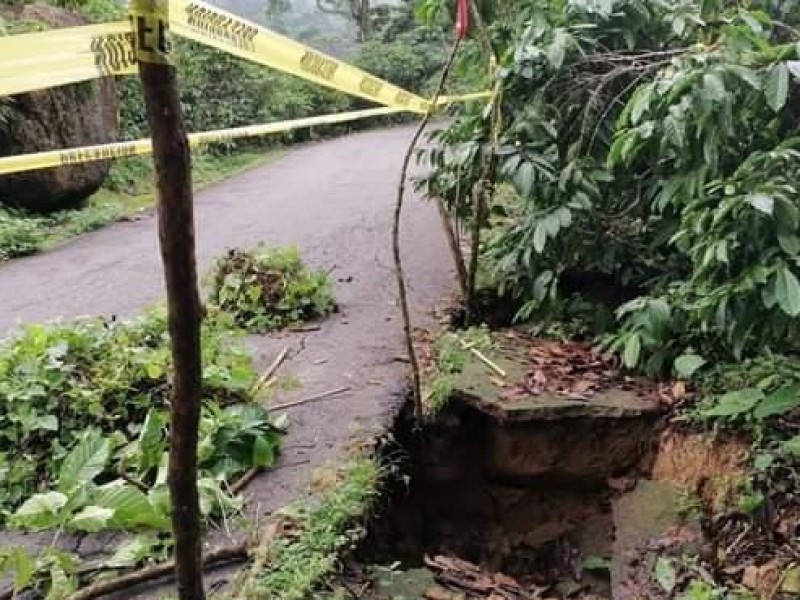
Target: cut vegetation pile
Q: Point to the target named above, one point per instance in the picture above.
(84, 433)
(269, 288)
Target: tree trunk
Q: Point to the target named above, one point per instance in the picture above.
(455, 248)
(365, 24)
(172, 160)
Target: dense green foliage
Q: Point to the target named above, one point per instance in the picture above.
(269, 288)
(84, 402)
(84, 430)
(320, 531)
(652, 149)
(642, 172)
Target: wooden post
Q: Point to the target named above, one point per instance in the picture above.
(172, 160)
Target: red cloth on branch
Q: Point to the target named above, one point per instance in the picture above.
(462, 19)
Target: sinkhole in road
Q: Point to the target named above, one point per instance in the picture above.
(528, 502)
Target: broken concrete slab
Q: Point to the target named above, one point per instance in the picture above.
(478, 385)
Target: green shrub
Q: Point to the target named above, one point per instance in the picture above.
(19, 235)
(267, 289)
(105, 384)
(654, 153)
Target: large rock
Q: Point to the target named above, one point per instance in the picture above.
(53, 119)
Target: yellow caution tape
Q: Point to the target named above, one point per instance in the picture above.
(35, 61)
(207, 24)
(150, 21)
(60, 158)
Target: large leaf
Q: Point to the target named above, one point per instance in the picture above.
(557, 50)
(524, 177)
(734, 404)
(86, 461)
(62, 584)
(713, 85)
(665, 574)
(761, 202)
(91, 519)
(132, 552)
(640, 103)
(787, 216)
(633, 348)
(787, 292)
(40, 511)
(21, 564)
(131, 506)
(539, 237)
(776, 87)
(789, 243)
(687, 364)
(778, 403)
(263, 452)
(152, 443)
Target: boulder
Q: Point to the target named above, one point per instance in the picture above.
(53, 119)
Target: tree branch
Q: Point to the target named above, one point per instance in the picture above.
(398, 262)
(109, 586)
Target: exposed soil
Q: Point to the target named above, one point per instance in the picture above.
(526, 503)
(571, 486)
(750, 550)
(697, 463)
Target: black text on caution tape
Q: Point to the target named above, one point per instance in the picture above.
(221, 27)
(73, 157)
(113, 52)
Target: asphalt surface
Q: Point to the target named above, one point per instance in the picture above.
(335, 201)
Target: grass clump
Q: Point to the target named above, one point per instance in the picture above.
(451, 351)
(101, 389)
(19, 235)
(296, 563)
(128, 190)
(269, 288)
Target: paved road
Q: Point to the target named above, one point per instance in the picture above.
(335, 201)
(332, 199)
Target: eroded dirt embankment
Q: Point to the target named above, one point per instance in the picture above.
(548, 474)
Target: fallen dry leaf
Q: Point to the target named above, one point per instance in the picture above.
(761, 580)
(437, 593)
(681, 534)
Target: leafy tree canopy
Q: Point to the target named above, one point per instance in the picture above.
(647, 164)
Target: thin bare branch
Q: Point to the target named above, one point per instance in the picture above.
(398, 262)
(102, 588)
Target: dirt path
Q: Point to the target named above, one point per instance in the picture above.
(334, 200)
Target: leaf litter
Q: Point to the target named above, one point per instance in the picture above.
(575, 371)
